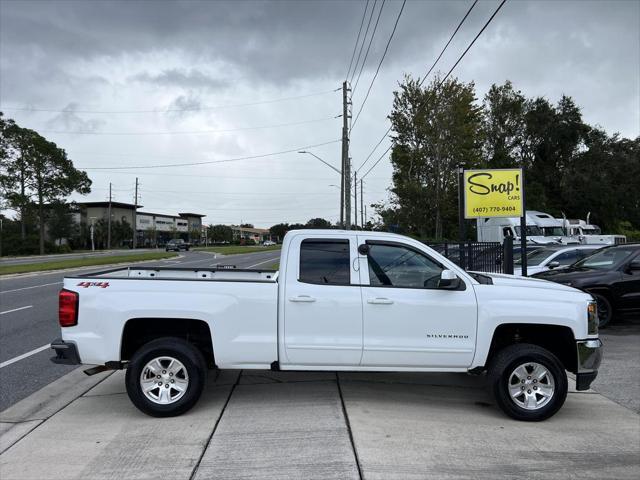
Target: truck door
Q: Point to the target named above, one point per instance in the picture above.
(408, 321)
(323, 303)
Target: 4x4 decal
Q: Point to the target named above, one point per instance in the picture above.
(93, 284)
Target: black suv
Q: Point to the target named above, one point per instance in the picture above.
(611, 275)
(177, 245)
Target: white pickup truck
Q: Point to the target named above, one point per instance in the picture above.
(342, 300)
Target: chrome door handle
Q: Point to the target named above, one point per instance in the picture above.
(302, 299)
(380, 301)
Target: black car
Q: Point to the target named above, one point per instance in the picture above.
(177, 245)
(611, 275)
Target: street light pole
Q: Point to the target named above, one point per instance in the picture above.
(92, 228)
(341, 189)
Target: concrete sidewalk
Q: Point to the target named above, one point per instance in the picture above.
(313, 425)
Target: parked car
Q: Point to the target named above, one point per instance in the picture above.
(268, 243)
(177, 244)
(611, 275)
(422, 312)
(548, 258)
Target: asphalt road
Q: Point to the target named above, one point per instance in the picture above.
(28, 320)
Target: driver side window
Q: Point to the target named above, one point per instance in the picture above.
(401, 267)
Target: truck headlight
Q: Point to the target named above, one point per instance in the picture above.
(592, 318)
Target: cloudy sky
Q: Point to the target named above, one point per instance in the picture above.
(153, 83)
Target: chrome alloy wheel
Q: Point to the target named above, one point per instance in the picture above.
(164, 380)
(531, 386)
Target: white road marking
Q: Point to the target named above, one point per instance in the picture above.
(27, 288)
(24, 355)
(16, 309)
(260, 263)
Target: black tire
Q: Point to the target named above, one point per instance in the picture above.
(505, 363)
(605, 310)
(183, 351)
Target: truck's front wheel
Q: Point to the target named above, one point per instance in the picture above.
(529, 383)
(165, 377)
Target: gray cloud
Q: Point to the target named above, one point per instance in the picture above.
(144, 55)
(189, 79)
(69, 121)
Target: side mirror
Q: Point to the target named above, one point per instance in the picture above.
(554, 264)
(634, 266)
(448, 280)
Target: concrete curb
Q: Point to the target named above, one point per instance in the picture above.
(23, 417)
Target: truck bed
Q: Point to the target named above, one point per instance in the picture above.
(223, 273)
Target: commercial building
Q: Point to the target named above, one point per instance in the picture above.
(245, 234)
(152, 229)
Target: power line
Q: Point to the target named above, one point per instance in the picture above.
(372, 151)
(473, 41)
(196, 132)
(169, 110)
(379, 65)
(373, 34)
(377, 161)
(242, 177)
(364, 39)
(190, 164)
(439, 56)
(355, 47)
(447, 45)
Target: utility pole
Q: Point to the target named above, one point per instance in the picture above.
(355, 199)
(109, 220)
(346, 162)
(135, 216)
(362, 214)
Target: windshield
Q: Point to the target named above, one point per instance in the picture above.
(532, 230)
(605, 259)
(552, 231)
(592, 230)
(536, 257)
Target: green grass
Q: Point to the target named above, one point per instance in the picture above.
(236, 249)
(82, 262)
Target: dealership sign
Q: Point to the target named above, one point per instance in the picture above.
(493, 193)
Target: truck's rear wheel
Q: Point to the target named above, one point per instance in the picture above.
(528, 382)
(165, 377)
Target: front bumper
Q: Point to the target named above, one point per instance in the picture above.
(66, 352)
(589, 358)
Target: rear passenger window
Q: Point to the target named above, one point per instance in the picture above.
(325, 262)
(567, 258)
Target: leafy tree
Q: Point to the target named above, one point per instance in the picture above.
(35, 171)
(247, 225)
(14, 173)
(52, 176)
(220, 233)
(121, 232)
(60, 222)
(279, 230)
(503, 126)
(436, 128)
(318, 223)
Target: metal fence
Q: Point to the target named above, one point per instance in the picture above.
(491, 257)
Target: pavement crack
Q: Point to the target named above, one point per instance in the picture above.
(103, 394)
(215, 427)
(18, 422)
(348, 424)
